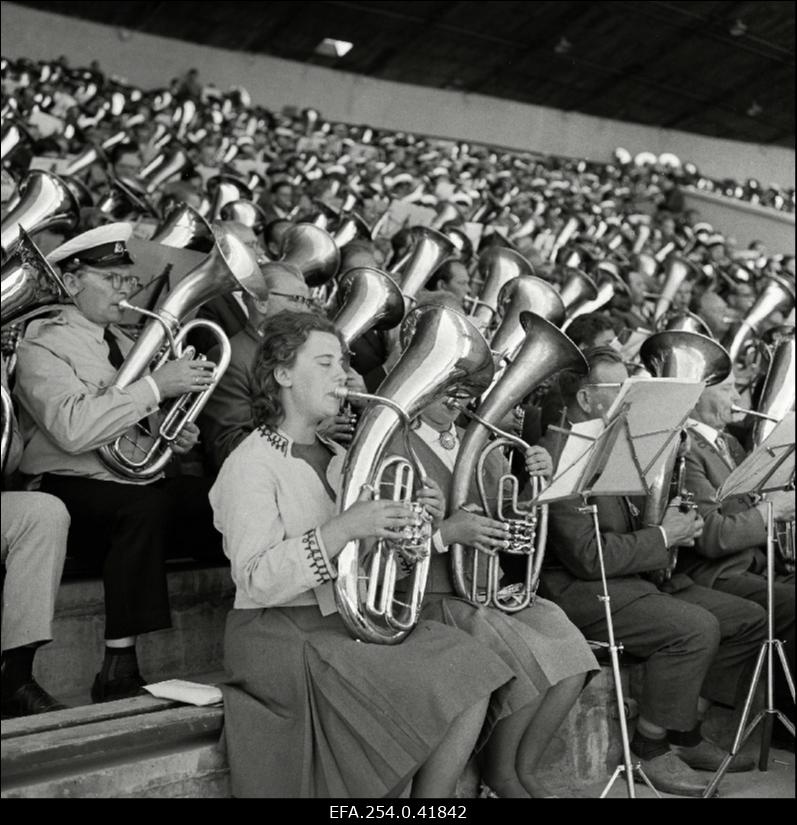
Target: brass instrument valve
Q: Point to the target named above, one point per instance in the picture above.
(415, 543)
(520, 535)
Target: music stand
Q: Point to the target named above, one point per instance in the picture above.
(603, 446)
(768, 468)
(618, 455)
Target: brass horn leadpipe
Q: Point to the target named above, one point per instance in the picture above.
(742, 411)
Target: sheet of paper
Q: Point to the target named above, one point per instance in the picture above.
(190, 693)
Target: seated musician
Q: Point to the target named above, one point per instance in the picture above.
(547, 654)
(33, 534)
(730, 556)
(310, 711)
(699, 644)
(68, 408)
(228, 416)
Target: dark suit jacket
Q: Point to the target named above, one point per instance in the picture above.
(227, 417)
(227, 313)
(733, 532)
(571, 575)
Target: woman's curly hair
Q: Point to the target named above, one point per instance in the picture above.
(284, 334)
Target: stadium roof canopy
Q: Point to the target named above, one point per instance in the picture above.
(722, 69)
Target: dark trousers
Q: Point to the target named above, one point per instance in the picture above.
(696, 642)
(753, 586)
(128, 531)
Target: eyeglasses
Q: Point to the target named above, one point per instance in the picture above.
(116, 280)
(295, 299)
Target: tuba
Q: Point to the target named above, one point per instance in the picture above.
(779, 290)
(6, 426)
(245, 212)
(498, 265)
(693, 357)
(605, 293)
(445, 354)
(45, 202)
(230, 265)
(225, 189)
(545, 351)
(369, 299)
(350, 227)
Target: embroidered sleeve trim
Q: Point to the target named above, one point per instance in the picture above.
(275, 440)
(315, 557)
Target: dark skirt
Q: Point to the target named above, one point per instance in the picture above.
(540, 644)
(310, 712)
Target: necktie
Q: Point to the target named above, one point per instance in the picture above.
(722, 448)
(114, 353)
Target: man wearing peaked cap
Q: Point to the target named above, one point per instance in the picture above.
(70, 406)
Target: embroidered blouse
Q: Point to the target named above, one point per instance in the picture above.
(268, 504)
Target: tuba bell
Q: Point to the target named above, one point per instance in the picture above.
(313, 251)
(184, 228)
(444, 354)
(577, 290)
(369, 299)
(29, 285)
(545, 351)
(245, 212)
(429, 249)
(777, 395)
(230, 265)
(778, 290)
(676, 270)
(225, 189)
(524, 294)
(45, 202)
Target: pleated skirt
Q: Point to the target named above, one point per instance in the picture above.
(539, 644)
(310, 712)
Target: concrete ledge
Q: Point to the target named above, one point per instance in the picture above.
(200, 599)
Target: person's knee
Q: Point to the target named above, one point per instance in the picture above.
(702, 632)
(48, 515)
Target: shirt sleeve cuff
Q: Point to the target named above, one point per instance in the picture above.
(317, 557)
(144, 395)
(153, 384)
(437, 542)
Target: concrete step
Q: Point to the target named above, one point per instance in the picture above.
(200, 599)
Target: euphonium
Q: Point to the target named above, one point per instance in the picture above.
(184, 228)
(369, 299)
(444, 354)
(45, 203)
(28, 284)
(428, 251)
(779, 290)
(676, 270)
(577, 290)
(498, 265)
(313, 251)
(544, 352)
(692, 357)
(230, 265)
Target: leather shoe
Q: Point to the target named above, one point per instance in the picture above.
(668, 773)
(707, 756)
(28, 699)
(122, 688)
